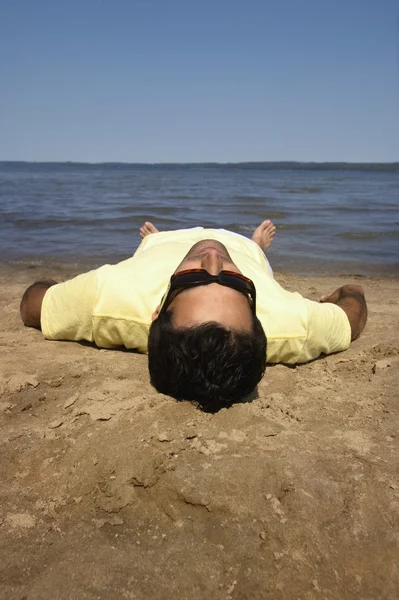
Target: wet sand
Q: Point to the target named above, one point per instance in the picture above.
(111, 490)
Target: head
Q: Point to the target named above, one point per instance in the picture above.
(207, 344)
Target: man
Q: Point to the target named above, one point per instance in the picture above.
(212, 329)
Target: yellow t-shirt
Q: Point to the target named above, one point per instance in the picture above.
(112, 305)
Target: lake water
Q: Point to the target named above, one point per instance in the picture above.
(329, 220)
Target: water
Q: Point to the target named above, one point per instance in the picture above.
(342, 219)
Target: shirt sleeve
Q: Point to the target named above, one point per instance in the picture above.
(67, 309)
(328, 330)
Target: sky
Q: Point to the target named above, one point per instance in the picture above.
(199, 81)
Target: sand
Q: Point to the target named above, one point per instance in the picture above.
(111, 490)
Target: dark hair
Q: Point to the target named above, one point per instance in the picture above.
(209, 364)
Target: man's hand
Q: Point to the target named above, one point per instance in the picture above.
(31, 303)
(352, 301)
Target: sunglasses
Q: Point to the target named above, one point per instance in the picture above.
(195, 277)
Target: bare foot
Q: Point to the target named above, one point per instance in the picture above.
(264, 234)
(147, 229)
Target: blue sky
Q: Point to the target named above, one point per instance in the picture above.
(184, 81)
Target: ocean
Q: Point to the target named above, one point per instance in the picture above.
(330, 219)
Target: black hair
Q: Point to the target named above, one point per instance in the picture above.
(209, 364)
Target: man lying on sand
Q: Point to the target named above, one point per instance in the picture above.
(203, 327)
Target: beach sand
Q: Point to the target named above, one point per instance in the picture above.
(111, 490)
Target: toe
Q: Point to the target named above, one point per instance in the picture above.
(270, 228)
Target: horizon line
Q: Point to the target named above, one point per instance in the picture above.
(222, 163)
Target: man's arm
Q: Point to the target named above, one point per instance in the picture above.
(352, 301)
(31, 303)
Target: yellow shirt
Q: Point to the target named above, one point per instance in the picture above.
(112, 305)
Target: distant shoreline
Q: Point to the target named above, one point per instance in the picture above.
(389, 167)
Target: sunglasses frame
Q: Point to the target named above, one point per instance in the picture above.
(173, 285)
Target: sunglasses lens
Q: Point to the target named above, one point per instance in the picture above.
(183, 279)
(236, 282)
